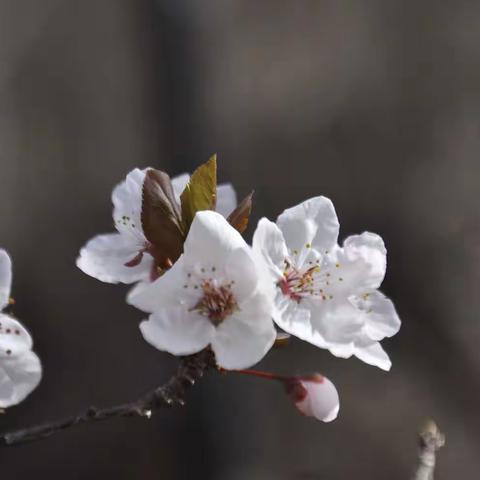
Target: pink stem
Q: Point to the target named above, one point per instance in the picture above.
(266, 375)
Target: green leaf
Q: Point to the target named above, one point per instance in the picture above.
(238, 219)
(200, 192)
(161, 218)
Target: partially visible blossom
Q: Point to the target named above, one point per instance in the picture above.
(314, 396)
(20, 368)
(326, 294)
(212, 296)
(124, 256)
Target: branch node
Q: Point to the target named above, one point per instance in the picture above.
(430, 440)
(190, 380)
(92, 412)
(180, 401)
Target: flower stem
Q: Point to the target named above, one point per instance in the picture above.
(265, 375)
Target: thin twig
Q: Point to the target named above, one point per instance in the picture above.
(430, 440)
(190, 370)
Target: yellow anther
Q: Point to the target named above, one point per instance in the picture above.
(11, 301)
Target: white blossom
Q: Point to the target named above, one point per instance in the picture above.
(212, 296)
(326, 294)
(123, 256)
(315, 396)
(20, 368)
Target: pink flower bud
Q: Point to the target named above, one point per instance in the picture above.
(314, 396)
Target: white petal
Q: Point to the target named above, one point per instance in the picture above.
(163, 292)
(127, 205)
(322, 401)
(269, 244)
(226, 199)
(335, 325)
(319, 323)
(178, 331)
(381, 319)
(342, 350)
(311, 222)
(244, 338)
(14, 338)
(240, 269)
(137, 288)
(210, 240)
(363, 261)
(292, 316)
(264, 281)
(19, 375)
(104, 257)
(373, 354)
(178, 184)
(334, 329)
(5, 278)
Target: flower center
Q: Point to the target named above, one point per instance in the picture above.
(297, 284)
(315, 279)
(217, 302)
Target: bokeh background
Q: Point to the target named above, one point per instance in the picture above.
(375, 104)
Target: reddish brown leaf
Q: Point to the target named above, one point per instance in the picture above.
(239, 217)
(161, 218)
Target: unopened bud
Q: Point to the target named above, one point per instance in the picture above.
(314, 396)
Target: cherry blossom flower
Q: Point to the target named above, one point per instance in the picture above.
(212, 296)
(20, 368)
(326, 294)
(123, 257)
(314, 396)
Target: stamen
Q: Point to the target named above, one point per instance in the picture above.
(309, 280)
(217, 303)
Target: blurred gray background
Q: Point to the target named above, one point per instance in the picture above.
(375, 104)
